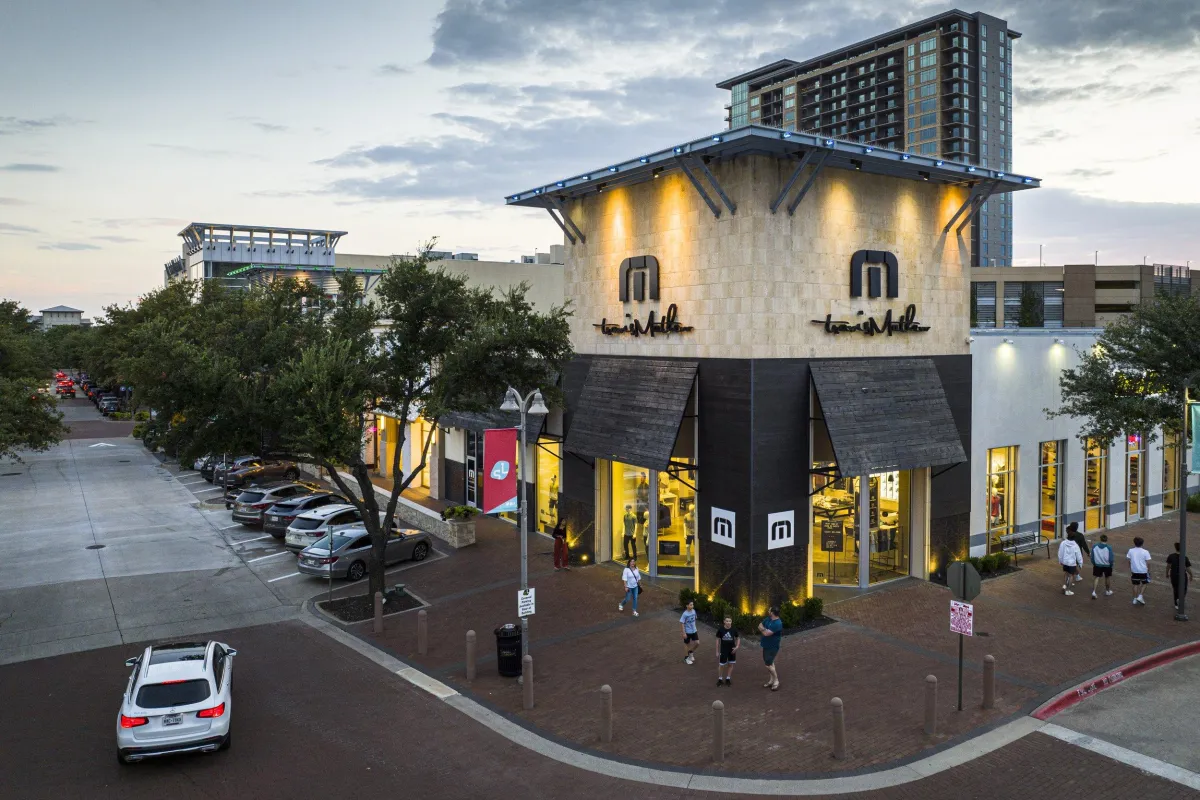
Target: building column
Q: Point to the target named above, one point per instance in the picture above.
(864, 531)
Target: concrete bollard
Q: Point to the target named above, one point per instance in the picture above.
(379, 612)
(470, 656)
(718, 731)
(839, 729)
(527, 680)
(931, 705)
(606, 713)
(989, 681)
(422, 632)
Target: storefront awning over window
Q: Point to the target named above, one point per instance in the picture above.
(482, 421)
(630, 410)
(886, 414)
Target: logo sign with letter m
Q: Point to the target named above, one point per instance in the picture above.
(642, 272)
(724, 527)
(876, 261)
(781, 529)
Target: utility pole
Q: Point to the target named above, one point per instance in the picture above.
(1181, 567)
(531, 403)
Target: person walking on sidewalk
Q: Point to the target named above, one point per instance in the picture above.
(771, 629)
(1074, 535)
(631, 579)
(1179, 579)
(1071, 559)
(561, 554)
(691, 639)
(1139, 566)
(1102, 564)
(728, 642)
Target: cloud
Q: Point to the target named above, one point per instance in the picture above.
(1087, 173)
(1044, 137)
(29, 168)
(1038, 95)
(12, 201)
(269, 127)
(393, 70)
(186, 149)
(10, 126)
(117, 239)
(6, 227)
(68, 246)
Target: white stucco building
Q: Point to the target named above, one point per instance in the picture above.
(61, 315)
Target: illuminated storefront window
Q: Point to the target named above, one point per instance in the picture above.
(1135, 476)
(1095, 485)
(835, 526)
(889, 518)
(549, 482)
(631, 513)
(1170, 480)
(419, 431)
(676, 512)
(1001, 496)
(1050, 469)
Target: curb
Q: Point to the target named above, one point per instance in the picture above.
(1088, 688)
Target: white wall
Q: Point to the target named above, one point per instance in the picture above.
(1012, 384)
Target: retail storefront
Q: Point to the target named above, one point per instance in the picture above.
(773, 382)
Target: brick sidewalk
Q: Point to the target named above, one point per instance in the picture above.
(875, 658)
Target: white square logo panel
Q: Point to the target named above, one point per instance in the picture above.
(724, 527)
(781, 529)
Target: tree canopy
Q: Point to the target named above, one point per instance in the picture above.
(29, 419)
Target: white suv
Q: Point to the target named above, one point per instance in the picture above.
(178, 700)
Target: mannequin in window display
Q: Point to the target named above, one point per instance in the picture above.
(689, 531)
(630, 540)
(642, 495)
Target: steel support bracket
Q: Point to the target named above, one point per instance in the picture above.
(980, 199)
(808, 184)
(720, 192)
(713, 207)
(570, 236)
(787, 187)
(562, 209)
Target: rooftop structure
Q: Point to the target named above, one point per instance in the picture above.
(215, 250)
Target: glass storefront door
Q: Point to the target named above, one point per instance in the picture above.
(843, 530)
(631, 514)
(889, 523)
(1135, 472)
(675, 522)
(835, 540)
(654, 518)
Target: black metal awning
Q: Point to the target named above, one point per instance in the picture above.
(482, 421)
(886, 414)
(630, 410)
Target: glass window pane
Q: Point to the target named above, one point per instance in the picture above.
(631, 513)
(549, 477)
(1001, 496)
(677, 521)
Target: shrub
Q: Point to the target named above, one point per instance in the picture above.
(814, 608)
(686, 596)
(703, 605)
(746, 624)
(722, 609)
(459, 513)
(120, 415)
(975, 562)
(791, 614)
(140, 430)
(1002, 561)
(987, 564)
(1193, 503)
(141, 416)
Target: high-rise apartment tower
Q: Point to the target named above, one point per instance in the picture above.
(940, 87)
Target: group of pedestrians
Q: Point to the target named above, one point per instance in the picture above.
(1071, 554)
(728, 640)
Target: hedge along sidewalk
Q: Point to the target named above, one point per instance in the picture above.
(796, 617)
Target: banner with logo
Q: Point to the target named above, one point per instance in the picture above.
(499, 470)
(1195, 409)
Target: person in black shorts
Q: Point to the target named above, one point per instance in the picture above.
(728, 643)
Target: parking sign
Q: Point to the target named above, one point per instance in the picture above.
(962, 618)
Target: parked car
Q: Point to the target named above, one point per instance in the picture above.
(109, 405)
(251, 503)
(278, 517)
(200, 463)
(257, 470)
(312, 525)
(234, 492)
(351, 549)
(179, 699)
(218, 471)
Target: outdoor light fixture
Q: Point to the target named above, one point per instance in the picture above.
(904, 156)
(868, 149)
(678, 149)
(1029, 180)
(938, 163)
(560, 184)
(644, 160)
(970, 169)
(924, 175)
(612, 169)
(857, 164)
(1008, 341)
(970, 339)
(537, 191)
(787, 134)
(829, 142)
(999, 174)
(657, 171)
(716, 138)
(587, 177)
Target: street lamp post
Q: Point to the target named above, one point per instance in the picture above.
(531, 403)
(1181, 567)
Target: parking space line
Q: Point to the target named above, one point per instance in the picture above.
(273, 555)
(283, 577)
(231, 527)
(214, 489)
(192, 483)
(255, 539)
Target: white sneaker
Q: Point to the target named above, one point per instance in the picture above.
(1141, 600)
(1135, 601)
(1078, 578)
(1068, 593)
(635, 613)
(621, 607)
(1093, 595)
(1107, 592)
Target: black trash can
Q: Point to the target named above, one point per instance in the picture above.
(508, 650)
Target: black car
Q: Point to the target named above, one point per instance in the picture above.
(278, 517)
(250, 504)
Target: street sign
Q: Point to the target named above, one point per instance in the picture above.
(963, 580)
(525, 603)
(962, 618)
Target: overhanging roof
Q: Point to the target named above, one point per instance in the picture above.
(63, 310)
(761, 140)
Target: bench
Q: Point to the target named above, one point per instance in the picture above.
(1023, 542)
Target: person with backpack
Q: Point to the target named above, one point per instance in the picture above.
(631, 579)
(1102, 565)
(1071, 558)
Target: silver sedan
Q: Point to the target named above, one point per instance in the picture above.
(351, 552)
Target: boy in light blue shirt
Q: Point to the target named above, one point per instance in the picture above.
(1102, 565)
(691, 639)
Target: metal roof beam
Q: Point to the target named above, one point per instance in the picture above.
(808, 184)
(562, 209)
(972, 198)
(699, 188)
(720, 192)
(787, 187)
(979, 201)
(570, 236)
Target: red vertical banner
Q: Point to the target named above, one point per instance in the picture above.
(499, 470)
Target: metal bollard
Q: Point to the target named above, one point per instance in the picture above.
(527, 680)
(718, 731)
(989, 681)
(606, 713)
(839, 729)
(931, 705)
(470, 656)
(379, 612)
(422, 632)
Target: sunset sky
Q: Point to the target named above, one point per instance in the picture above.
(122, 121)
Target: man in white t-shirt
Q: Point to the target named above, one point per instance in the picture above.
(1139, 566)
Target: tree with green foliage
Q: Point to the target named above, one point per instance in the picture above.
(29, 419)
(444, 346)
(1031, 313)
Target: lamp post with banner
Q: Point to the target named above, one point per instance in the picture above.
(1191, 409)
(531, 403)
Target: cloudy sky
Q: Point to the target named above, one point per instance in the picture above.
(399, 120)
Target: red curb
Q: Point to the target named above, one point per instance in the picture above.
(1091, 687)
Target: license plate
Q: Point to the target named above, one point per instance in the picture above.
(309, 562)
(274, 519)
(172, 719)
